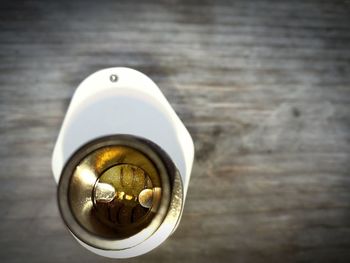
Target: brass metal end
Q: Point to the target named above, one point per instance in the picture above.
(116, 191)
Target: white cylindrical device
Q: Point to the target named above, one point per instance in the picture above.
(122, 161)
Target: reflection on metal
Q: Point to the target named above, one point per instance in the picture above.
(145, 198)
(117, 191)
(104, 193)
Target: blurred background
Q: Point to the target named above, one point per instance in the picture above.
(263, 87)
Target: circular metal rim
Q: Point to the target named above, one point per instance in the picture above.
(162, 162)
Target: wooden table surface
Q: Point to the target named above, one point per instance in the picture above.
(263, 87)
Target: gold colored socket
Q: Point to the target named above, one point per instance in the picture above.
(115, 192)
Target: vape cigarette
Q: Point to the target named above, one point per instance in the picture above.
(122, 162)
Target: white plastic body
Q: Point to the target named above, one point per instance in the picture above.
(131, 105)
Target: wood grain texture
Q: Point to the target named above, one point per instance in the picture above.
(263, 87)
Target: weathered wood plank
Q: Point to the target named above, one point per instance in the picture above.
(263, 86)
